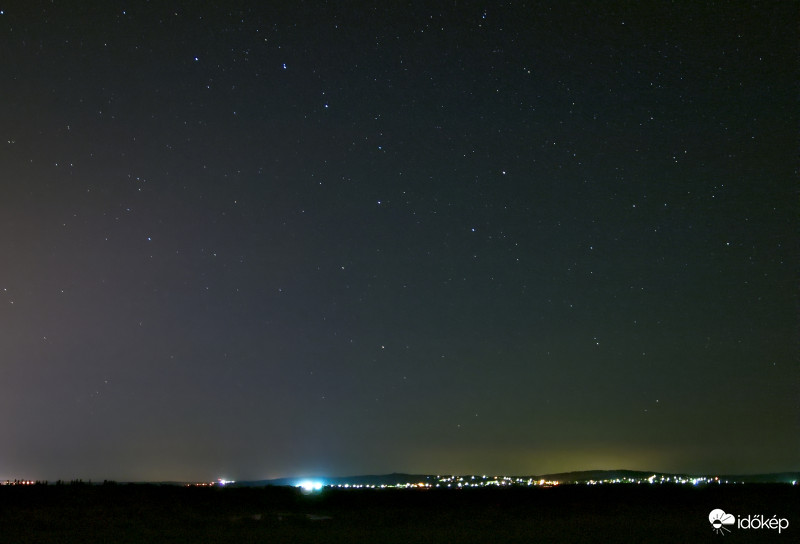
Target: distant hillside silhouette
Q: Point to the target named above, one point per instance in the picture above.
(581, 476)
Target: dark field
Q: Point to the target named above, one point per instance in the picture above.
(622, 513)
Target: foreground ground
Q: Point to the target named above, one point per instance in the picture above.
(622, 513)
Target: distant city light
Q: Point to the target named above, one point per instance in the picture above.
(464, 481)
(310, 485)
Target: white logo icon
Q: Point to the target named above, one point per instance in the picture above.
(719, 519)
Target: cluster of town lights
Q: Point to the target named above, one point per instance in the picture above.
(458, 482)
(463, 482)
(683, 480)
(220, 482)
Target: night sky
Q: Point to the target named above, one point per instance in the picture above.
(278, 239)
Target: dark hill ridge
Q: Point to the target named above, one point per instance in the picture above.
(369, 479)
(583, 476)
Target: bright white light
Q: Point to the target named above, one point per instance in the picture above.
(310, 485)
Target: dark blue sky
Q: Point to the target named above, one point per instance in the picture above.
(247, 241)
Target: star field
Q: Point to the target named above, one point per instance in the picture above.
(251, 241)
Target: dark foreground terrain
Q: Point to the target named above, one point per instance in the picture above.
(621, 513)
